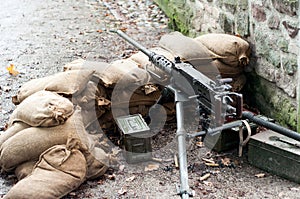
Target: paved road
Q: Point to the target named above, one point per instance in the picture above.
(39, 37)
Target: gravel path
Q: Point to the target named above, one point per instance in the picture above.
(39, 37)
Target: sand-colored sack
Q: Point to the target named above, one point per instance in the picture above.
(125, 70)
(185, 47)
(29, 143)
(227, 70)
(43, 108)
(233, 50)
(126, 102)
(89, 97)
(25, 169)
(66, 83)
(81, 64)
(97, 163)
(12, 130)
(59, 171)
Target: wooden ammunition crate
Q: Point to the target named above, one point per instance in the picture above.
(135, 137)
(276, 154)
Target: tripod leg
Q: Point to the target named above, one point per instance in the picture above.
(182, 154)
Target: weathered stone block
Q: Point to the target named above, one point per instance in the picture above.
(242, 24)
(289, 63)
(274, 21)
(227, 22)
(282, 44)
(288, 7)
(291, 27)
(265, 69)
(274, 58)
(259, 13)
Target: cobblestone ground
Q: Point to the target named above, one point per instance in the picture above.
(39, 37)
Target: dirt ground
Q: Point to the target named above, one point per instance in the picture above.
(39, 37)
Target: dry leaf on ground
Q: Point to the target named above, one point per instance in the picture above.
(260, 175)
(151, 167)
(130, 179)
(12, 70)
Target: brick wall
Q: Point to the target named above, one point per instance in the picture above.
(270, 26)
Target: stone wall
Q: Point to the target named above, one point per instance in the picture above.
(270, 26)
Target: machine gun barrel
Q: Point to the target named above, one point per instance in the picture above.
(134, 43)
(158, 60)
(279, 129)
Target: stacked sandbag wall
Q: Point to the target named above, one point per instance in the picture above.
(46, 143)
(272, 29)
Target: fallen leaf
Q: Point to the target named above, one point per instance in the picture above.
(122, 191)
(208, 183)
(200, 144)
(72, 194)
(226, 161)
(11, 70)
(100, 31)
(260, 175)
(151, 167)
(101, 181)
(123, 29)
(121, 168)
(111, 177)
(130, 179)
(295, 188)
(204, 177)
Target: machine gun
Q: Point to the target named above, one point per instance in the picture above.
(213, 98)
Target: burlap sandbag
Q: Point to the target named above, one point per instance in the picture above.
(81, 64)
(126, 102)
(59, 171)
(89, 97)
(97, 160)
(92, 114)
(185, 47)
(233, 50)
(97, 163)
(12, 130)
(29, 143)
(227, 70)
(127, 70)
(25, 169)
(43, 108)
(66, 83)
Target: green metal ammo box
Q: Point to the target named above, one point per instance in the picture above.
(275, 153)
(135, 137)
